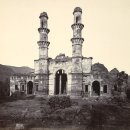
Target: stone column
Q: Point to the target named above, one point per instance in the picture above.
(69, 79)
(26, 88)
(60, 83)
(101, 90)
(90, 89)
(52, 84)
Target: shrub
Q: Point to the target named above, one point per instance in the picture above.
(98, 115)
(119, 100)
(18, 95)
(128, 93)
(57, 102)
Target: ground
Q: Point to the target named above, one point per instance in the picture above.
(93, 112)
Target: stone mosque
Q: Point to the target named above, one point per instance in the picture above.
(63, 75)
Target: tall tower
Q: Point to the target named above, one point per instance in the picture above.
(77, 41)
(43, 44)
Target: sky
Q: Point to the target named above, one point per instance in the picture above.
(106, 30)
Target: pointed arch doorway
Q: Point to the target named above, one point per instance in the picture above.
(96, 88)
(60, 82)
(30, 87)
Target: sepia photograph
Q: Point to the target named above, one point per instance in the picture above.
(64, 64)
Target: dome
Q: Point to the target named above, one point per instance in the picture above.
(100, 71)
(97, 67)
(114, 71)
(77, 9)
(43, 14)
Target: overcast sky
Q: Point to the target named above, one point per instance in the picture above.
(106, 31)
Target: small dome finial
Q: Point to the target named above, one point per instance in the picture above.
(43, 14)
(77, 9)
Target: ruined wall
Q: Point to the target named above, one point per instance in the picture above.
(41, 73)
(36, 66)
(87, 65)
(19, 81)
(54, 66)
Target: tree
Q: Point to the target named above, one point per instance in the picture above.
(122, 81)
(4, 88)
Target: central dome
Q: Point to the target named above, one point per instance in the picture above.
(77, 9)
(43, 14)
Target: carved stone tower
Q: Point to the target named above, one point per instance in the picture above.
(77, 40)
(43, 52)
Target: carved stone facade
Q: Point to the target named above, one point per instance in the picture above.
(63, 75)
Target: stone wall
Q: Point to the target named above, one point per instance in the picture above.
(54, 66)
(19, 81)
(87, 65)
(36, 66)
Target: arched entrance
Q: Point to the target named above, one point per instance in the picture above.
(95, 88)
(30, 87)
(60, 82)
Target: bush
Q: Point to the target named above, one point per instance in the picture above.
(128, 93)
(18, 95)
(119, 100)
(98, 116)
(59, 102)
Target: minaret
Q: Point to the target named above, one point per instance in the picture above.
(43, 30)
(43, 44)
(77, 41)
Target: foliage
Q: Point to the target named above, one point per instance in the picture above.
(56, 102)
(122, 80)
(98, 116)
(120, 86)
(128, 93)
(18, 95)
(4, 89)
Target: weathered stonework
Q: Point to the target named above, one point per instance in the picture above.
(63, 75)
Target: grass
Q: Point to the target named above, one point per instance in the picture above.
(35, 112)
(20, 111)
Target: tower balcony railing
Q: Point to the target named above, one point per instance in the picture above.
(43, 43)
(45, 29)
(77, 40)
(79, 25)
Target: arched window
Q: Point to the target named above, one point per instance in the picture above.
(86, 88)
(36, 87)
(115, 87)
(22, 89)
(78, 19)
(42, 24)
(105, 88)
(16, 87)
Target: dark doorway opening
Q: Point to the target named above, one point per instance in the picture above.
(30, 87)
(16, 87)
(22, 88)
(96, 88)
(105, 88)
(60, 82)
(115, 87)
(86, 88)
(36, 87)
